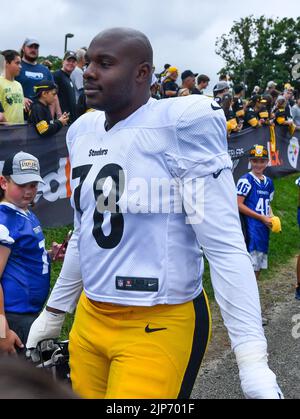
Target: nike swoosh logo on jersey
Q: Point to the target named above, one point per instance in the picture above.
(216, 175)
(148, 330)
(215, 108)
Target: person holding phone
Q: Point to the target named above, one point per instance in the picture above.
(40, 114)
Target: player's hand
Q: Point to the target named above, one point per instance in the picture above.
(267, 221)
(8, 345)
(47, 326)
(257, 380)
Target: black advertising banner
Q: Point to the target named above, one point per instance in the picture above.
(283, 150)
(52, 203)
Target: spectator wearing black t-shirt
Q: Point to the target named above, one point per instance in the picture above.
(169, 86)
(66, 91)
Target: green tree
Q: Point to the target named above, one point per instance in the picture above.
(55, 61)
(257, 50)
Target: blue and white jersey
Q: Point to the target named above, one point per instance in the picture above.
(26, 277)
(258, 194)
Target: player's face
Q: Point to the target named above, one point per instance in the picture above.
(109, 80)
(259, 165)
(20, 195)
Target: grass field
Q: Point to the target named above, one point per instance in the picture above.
(282, 246)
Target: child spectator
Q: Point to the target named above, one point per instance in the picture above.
(11, 91)
(40, 115)
(255, 192)
(297, 294)
(24, 261)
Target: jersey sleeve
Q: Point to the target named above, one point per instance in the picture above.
(6, 236)
(202, 146)
(215, 220)
(68, 287)
(243, 187)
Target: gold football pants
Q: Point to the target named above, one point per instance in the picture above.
(119, 352)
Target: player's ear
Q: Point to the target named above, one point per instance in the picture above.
(144, 73)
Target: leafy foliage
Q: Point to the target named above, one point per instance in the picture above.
(257, 50)
(54, 60)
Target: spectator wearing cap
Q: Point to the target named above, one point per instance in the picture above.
(251, 114)
(169, 86)
(40, 115)
(202, 83)
(32, 72)
(11, 92)
(66, 91)
(220, 90)
(238, 103)
(188, 83)
(77, 73)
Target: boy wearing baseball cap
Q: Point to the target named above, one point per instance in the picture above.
(40, 115)
(255, 193)
(24, 261)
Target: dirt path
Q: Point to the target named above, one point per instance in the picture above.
(218, 378)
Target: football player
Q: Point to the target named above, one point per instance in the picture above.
(142, 323)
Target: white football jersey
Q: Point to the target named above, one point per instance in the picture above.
(141, 255)
(131, 251)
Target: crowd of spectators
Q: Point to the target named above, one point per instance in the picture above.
(22, 73)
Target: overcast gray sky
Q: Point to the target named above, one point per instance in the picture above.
(182, 32)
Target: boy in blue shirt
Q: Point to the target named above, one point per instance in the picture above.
(24, 261)
(255, 193)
